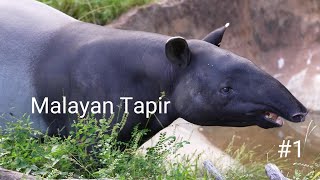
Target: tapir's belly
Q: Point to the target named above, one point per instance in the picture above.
(26, 27)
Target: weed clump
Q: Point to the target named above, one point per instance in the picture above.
(91, 150)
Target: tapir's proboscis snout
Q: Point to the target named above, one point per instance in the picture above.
(280, 103)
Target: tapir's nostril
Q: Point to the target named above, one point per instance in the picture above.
(299, 117)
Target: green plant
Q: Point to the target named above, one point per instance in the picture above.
(91, 150)
(94, 11)
(306, 171)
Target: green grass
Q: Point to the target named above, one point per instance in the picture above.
(95, 11)
(254, 165)
(92, 151)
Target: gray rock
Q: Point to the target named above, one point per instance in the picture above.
(12, 175)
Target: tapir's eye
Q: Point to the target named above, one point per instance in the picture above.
(226, 90)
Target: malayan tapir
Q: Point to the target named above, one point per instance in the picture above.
(45, 53)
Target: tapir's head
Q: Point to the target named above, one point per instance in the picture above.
(217, 87)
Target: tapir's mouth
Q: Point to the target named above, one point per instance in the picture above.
(273, 118)
(267, 118)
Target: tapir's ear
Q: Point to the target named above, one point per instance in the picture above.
(178, 52)
(215, 37)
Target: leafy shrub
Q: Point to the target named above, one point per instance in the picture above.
(90, 151)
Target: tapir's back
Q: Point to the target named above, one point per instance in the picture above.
(25, 28)
(27, 23)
